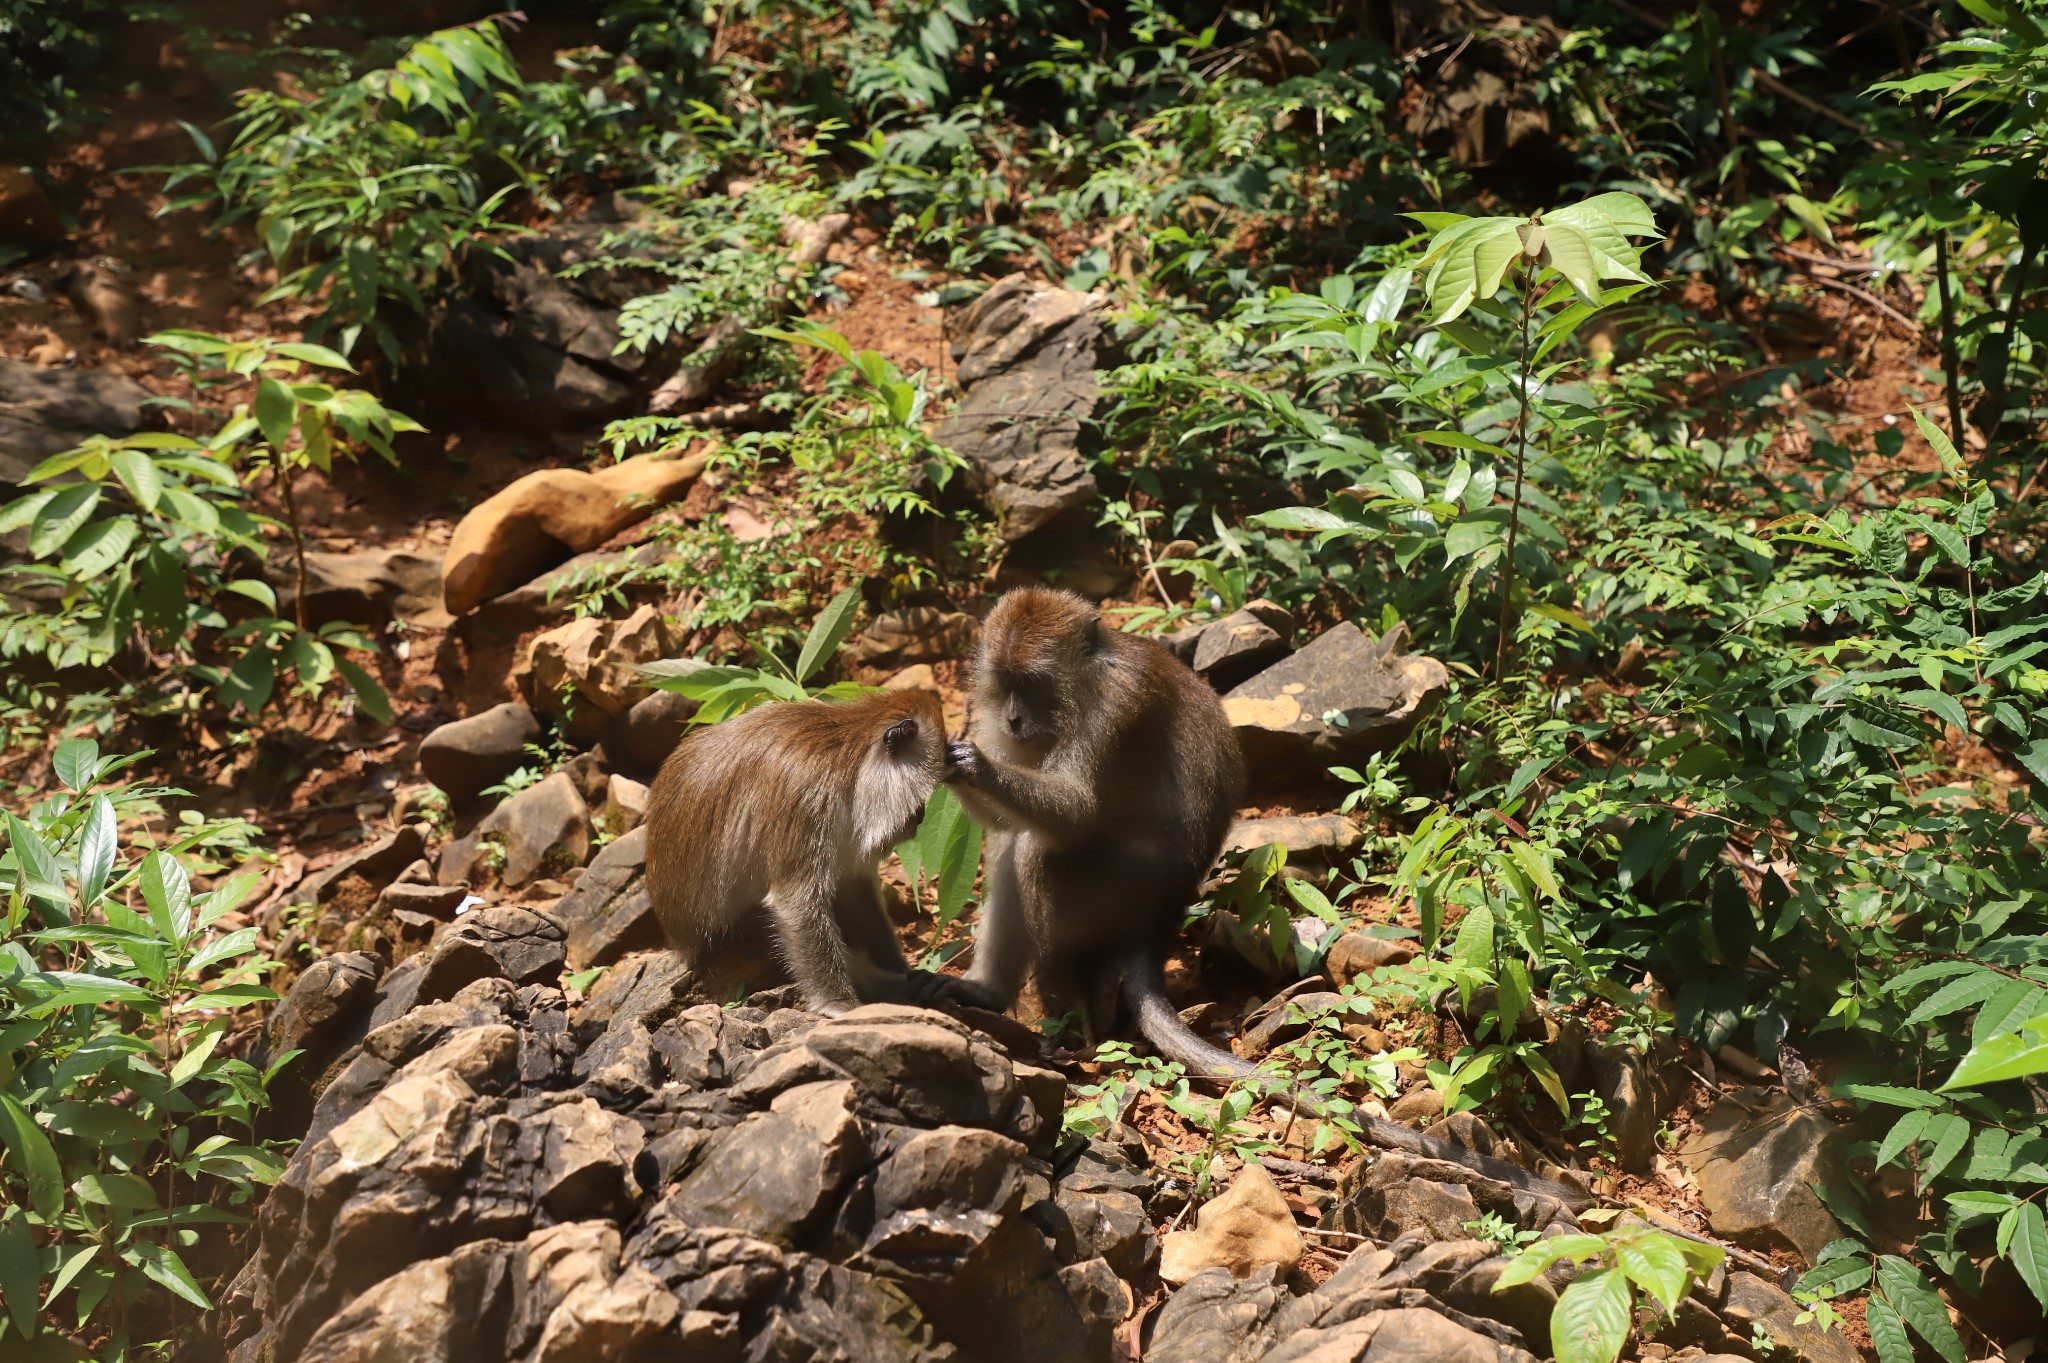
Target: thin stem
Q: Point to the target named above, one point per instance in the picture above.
(1951, 365)
(291, 518)
(1507, 577)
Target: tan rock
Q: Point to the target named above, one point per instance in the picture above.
(588, 669)
(918, 677)
(1244, 1230)
(625, 805)
(549, 516)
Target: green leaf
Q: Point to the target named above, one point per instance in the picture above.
(1904, 1132)
(1944, 448)
(31, 1155)
(2029, 1249)
(1535, 863)
(1832, 1277)
(1887, 1332)
(163, 1267)
(75, 762)
(1948, 1133)
(1570, 252)
(1469, 536)
(1591, 1320)
(1966, 991)
(276, 410)
(1304, 518)
(1891, 1095)
(1920, 1305)
(2009, 1055)
(19, 1272)
(168, 894)
(96, 850)
(59, 518)
(138, 473)
(313, 354)
(1946, 706)
(116, 1190)
(830, 629)
(196, 1055)
(1655, 1264)
(1474, 945)
(371, 697)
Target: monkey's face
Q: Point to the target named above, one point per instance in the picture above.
(1038, 651)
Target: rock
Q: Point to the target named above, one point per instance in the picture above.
(643, 738)
(916, 677)
(502, 943)
(359, 877)
(1412, 1335)
(1341, 699)
(371, 587)
(533, 348)
(625, 804)
(916, 634)
(779, 1174)
(1028, 354)
(1753, 1159)
(28, 220)
(542, 519)
(1401, 1193)
(326, 1011)
(1754, 1305)
(587, 671)
(1286, 1020)
(432, 901)
(607, 913)
(1238, 646)
(1216, 1318)
(1622, 1079)
(1420, 1107)
(1248, 1228)
(544, 827)
(1320, 835)
(1353, 954)
(99, 289)
(48, 411)
(467, 755)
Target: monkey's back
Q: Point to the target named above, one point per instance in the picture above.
(733, 806)
(1177, 773)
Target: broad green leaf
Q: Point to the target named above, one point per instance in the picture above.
(116, 1190)
(76, 762)
(96, 850)
(276, 410)
(830, 629)
(59, 518)
(1591, 1320)
(1946, 706)
(1944, 448)
(2029, 1249)
(371, 697)
(1904, 1132)
(1384, 303)
(163, 1267)
(1304, 518)
(1890, 1095)
(1910, 1294)
(197, 1053)
(1836, 1276)
(1887, 1332)
(2009, 1055)
(168, 893)
(1946, 1133)
(1966, 991)
(1474, 945)
(19, 1272)
(1535, 863)
(1570, 252)
(138, 473)
(32, 1157)
(1653, 1262)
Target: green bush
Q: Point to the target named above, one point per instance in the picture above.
(126, 1127)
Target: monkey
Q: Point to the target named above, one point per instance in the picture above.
(783, 814)
(1107, 775)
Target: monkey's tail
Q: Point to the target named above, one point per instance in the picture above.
(1144, 989)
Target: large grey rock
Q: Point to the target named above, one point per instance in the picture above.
(369, 587)
(48, 411)
(1028, 353)
(1227, 651)
(1399, 1194)
(608, 912)
(534, 346)
(1341, 699)
(1754, 1306)
(465, 756)
(1754, 1158)
(640, 740)
(545, 827)
(502, 943)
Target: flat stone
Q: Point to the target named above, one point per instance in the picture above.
(641, 740)
(1754, 1157)
(1238, 646)
(608, 912)
(1342, 698)
(544, 827)
(48, 411)
(1316, 835)
(1354, 954)
(1248, 1228)
(369, 587)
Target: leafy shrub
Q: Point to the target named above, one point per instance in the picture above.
(118, 1108)
(1591, 1321)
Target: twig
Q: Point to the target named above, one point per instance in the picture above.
(1866, 296)
(719, 351)
(1291, 1168)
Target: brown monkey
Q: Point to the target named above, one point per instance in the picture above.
(783, 813)
(1108, 774)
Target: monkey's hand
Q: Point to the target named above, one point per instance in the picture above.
(964, 763)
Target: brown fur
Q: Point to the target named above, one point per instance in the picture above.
(779, 817)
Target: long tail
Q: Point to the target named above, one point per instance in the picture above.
(1144, 989)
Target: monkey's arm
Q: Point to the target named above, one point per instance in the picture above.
(1053, 804)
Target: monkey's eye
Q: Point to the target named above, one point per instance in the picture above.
(899, 736)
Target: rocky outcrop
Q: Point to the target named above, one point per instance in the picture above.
(1755, 1159)
(495, 1172)
(587, 671)
(1028, 353)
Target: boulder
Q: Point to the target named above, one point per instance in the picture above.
(1236, 647)
(48, 411)
(371, 587)
(1399, 1194)
(1354, 954)
(1754, 1158)
(1027, 357)
(533, 346)
(1341, 699)
(587, 671)
(466, 756)
(548, 516)
(544, 827)
(1319, 835)
(625, 804)
(607, 913)
(1247, 1229)
(916, 634)
(1754, 1307)
(433, 901)
(641, 740)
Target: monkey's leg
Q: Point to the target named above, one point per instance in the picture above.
(1003, 943)
(808, 934)
(880, 972)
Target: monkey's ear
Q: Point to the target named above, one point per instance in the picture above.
(899, 736)
(1091, 634)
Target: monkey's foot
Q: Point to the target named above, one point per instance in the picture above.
(928, 988)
